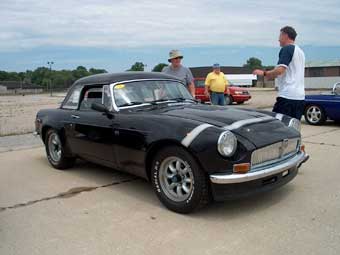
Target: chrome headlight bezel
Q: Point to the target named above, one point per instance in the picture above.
(227, 144)
(295, 124)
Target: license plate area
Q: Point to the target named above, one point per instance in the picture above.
(269, 180)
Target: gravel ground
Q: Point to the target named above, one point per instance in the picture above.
(17, 113)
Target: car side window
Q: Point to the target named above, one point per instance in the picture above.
(91, 95)
(73, 100)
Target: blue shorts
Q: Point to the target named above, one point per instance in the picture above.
(290, 107)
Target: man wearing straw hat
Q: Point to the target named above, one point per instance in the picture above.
(181, 72)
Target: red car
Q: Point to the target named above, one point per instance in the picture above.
(237, 94)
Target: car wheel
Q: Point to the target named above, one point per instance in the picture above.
(179, 181)
(240, 102)
(55, 151)
(315, 115)
(228, 99)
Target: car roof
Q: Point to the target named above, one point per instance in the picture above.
(108, 78)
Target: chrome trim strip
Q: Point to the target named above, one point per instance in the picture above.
(187, 140)
(116, 108)
(296, 161)
(242, 123)
(279, 116)
(322, 100)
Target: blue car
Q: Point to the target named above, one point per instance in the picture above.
(321, 107)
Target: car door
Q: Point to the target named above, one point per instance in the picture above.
(333, 106)
(91, 136)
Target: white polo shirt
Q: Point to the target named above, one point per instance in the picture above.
(291, 84)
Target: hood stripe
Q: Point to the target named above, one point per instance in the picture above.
(279, 116)
(187, 140)
(242, 123)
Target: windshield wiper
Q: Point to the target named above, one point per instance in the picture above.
(176, 99)
(131, 103)
(182, 99)
(159, 101)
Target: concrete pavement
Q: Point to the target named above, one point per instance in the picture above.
(95, 210)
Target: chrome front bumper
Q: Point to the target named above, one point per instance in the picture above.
(294, 162)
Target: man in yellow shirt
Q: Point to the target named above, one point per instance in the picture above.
(215, 85)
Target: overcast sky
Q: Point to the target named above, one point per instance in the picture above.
(113, 34)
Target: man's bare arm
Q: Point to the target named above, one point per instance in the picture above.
(272, 74)
(192, 88)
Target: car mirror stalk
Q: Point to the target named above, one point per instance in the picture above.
(101, 108)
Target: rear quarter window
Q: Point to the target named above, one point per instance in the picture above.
(73, 100)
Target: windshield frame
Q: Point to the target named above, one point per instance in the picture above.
(112, 85)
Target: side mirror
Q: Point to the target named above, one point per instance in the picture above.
(99, 107)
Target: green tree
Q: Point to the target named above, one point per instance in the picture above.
(97, 71)
(253, 63)
(80, 72)
(138, 66)
(159, 67)
(39, 75)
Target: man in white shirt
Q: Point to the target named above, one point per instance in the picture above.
(289, 74)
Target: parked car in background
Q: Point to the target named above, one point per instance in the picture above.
(319, 108)
(148, 124)
(237, 94)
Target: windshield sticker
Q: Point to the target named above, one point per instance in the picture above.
(119, 86)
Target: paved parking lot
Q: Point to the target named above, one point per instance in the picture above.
(95, 210)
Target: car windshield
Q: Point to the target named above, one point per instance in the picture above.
(149, 92)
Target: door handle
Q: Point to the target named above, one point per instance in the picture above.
(75, 116)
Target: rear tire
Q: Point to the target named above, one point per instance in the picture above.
(228, 99)
(179, 181)
(315, 115)
(55, 151)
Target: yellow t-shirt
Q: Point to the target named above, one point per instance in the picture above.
(216, 82)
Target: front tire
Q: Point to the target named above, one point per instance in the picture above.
(315, 115)
(179, 181)
(55, 151)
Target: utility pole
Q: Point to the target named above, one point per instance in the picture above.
(50, 63)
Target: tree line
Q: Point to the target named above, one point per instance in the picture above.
(43, 76)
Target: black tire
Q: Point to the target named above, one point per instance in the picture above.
(315, 115)
(198, 195)
(56, 156)
(228, 100)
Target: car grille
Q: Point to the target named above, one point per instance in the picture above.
(275, 152)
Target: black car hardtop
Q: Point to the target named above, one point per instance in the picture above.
(109, 78)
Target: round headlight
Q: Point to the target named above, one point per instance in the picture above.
(295, 123)
(227, 144)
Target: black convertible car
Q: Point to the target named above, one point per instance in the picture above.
(149, 125)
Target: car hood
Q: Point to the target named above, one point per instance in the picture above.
(259, 128)
(214, 115)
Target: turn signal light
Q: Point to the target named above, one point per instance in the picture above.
(302, 148)
(241, 168)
